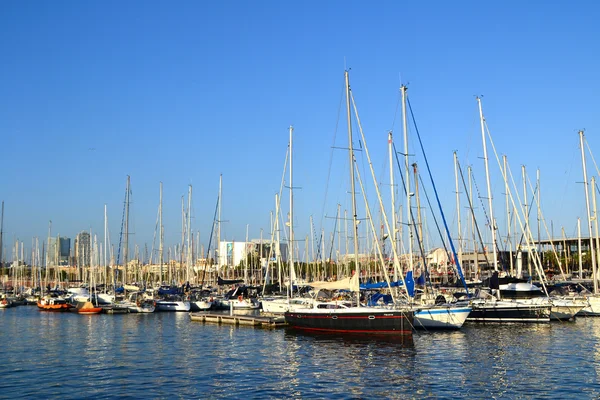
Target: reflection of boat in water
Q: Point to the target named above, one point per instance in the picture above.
(48, 303)
(398, 341)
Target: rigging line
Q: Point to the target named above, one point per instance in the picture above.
(333, 237)
(376, 240)
(434, 217)
(154, 237)
(116, 270)
(210, 240)
(536, 259)
(438, 200)
(331, 153)
(565, 191)
(412, 218)
(462, 177)
(542, 219)
(396, 110)
(487, 219)
(527, 225)
(382, 210)
(591, 155)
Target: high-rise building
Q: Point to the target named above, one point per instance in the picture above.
(83, 249)
(64, 250)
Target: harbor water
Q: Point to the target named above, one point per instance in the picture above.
(166, 355)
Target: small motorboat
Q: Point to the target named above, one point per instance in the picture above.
(5, 302)
(48, 303)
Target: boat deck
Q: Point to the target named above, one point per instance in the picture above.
(269, 322)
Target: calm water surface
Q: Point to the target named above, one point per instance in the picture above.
(166, 355)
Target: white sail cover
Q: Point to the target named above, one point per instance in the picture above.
(343, 284)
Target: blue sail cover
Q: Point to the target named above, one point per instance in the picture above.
(379, 285)
(410, 284)
(421, 279)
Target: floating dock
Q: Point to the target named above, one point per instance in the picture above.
(259, 321)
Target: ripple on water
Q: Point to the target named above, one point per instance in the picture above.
(165, 355)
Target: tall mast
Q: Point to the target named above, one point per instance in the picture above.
(473, 226)
(526, 208)
(291, 246)
(579, 248)
(394, 238)
(351, 158)
(419, 224)
(1, 232)
(407, 182)
(181, 249)
(489, 187)
(508, 237)
(595, 217)
(105, 249)
(246, 254)
(277, 241)
(48, 251)
(460, 245)
(126, 243)
(160, 233)
(219, 225)
(189, 234)
(539, 207)
(587, 205)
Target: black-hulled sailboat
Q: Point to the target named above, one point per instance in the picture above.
(340, 317)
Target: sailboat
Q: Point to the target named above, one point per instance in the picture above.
(430, 312)
(342, 318)
(87, 307)
(281, 304)
(593, 299)
(488, 306)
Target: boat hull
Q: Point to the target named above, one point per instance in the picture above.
(359, 321)
(200, 305)
(592, 309)
(54, 307)
(165, 305)
(89, 311)
(441, 317)
(508, 311)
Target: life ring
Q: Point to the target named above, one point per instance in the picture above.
(240, 298)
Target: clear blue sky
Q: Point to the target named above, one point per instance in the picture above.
(91, 92)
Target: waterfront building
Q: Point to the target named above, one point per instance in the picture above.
(231, 254)
(64, 250)
(83, 249)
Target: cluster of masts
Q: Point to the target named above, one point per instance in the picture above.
(184, 259)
